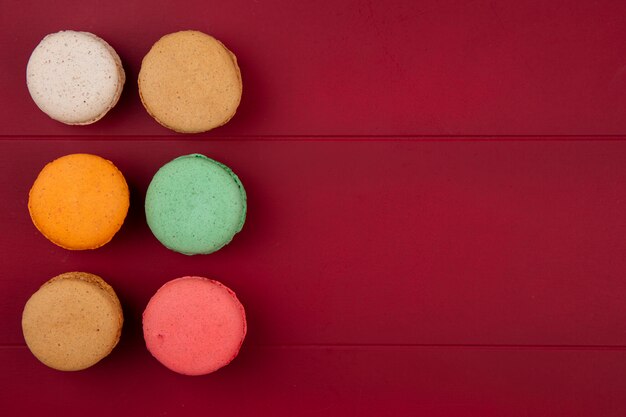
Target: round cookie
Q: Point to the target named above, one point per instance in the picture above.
(194, 325)
(79, 201)
(190, 82)
(73, 321)
(75, 77)
(195, 205)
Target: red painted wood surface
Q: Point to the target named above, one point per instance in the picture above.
(383, 274)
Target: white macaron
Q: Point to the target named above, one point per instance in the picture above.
(75, 77)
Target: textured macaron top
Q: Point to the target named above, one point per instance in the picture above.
(190, 82)
(72, 321)
(194, 325)
(79, 201)
(195, 205)
(74, 77)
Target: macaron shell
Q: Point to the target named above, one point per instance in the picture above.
(75, 77)
(79, 201)
(194, 325)
(73, 321)
(190, 82)
(195, 205)
(121, 80)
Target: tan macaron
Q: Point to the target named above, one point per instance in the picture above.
(190, 82)
(73, 321)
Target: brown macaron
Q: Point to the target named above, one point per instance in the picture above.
(190, 82)
(73, 321)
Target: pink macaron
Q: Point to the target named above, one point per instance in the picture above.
(194, 325)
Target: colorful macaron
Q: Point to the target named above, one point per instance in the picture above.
(79, 201)
(194, 325)
(75, 77)
(190, 82)
(195, 205)
(73, 321)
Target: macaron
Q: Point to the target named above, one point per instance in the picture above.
(194, 325)
(79, 201)
(75, 77)
(190, 82)
(73, 321)
(195, 205)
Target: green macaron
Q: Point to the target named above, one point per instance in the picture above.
(195, 205)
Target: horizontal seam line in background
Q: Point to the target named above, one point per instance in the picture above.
(417, 346)
(318, 138)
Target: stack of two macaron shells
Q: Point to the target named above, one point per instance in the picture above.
(79, 202)
(189, 81)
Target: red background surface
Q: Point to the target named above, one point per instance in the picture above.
(384, 271)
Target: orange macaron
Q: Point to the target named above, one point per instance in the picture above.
(79, 201)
